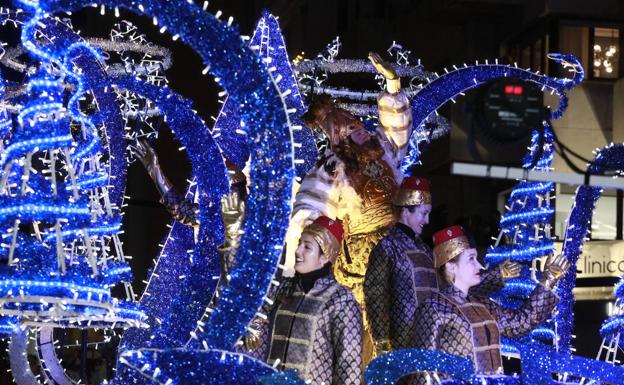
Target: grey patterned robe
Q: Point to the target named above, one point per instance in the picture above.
(400, 276)
(471, 326)
(318, 333)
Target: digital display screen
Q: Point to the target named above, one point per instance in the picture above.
(512, 109)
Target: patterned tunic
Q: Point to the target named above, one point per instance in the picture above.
(470, 326)
(401, 275)
(318, 333)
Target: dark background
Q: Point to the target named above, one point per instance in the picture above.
(439, 32)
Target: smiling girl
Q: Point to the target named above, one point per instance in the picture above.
(315, 325)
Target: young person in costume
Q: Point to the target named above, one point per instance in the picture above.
(315, 324)
(455, 321)
(401, 272)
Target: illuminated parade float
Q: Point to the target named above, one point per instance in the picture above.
(264, 275)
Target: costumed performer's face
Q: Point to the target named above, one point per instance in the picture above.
(360, 136)
(415, 217)
(339, 124)
(466, 269)
(308, 256)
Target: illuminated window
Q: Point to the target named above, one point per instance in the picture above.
(606, 53)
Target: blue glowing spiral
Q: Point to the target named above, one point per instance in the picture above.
(90, 302)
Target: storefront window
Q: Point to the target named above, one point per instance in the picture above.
(606, 53)
(604, 222)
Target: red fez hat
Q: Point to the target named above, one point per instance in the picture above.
(413, 191)
(328, 233)
(448, 243)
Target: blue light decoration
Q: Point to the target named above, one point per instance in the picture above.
(446, 87)
(609, 159)
(167, 285)
(525, 230)
(171, 328)
(9, 325)
(230, 131)
(243, 76)
(245, 79)
(287, 377)
(388, 368)
(108, 118)
(188, 297)
(282, 163)
(183, 367)
(539, 363)
(613, 327)
(57, 280)
(5, 120)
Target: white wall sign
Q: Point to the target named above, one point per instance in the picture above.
(599, 259)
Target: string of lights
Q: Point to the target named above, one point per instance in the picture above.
(231, 132)
(34, 289)
(62, 262)
(525, 230)
(254, 122)
(579, 221)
